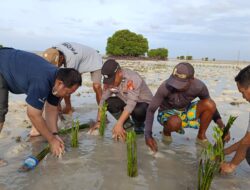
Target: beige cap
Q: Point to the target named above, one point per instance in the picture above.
(51, 55)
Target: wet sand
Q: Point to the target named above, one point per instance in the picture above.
(100, 163)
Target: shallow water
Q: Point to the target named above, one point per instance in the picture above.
(100, 163)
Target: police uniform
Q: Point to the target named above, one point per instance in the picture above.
(132, 95)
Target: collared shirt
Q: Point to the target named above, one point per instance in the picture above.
(80, 57)
(27, 73)
(168, 98)
(131, 90)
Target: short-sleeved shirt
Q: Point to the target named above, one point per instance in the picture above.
(131, 90)
(167, 98)
(80, 57)
(28, 73)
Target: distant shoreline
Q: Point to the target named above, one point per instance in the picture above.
(170, 60)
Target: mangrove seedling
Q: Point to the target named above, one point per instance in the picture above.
(32, 161)
(103, 111)
(228, 126)
(209, 164)
(74, 133)
(213, 156)
(131, 154)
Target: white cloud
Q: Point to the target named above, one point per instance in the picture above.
(163, 22)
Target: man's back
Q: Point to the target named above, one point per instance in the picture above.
(80, 57)
(21, 68)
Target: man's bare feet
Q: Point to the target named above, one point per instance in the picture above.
(34, 132)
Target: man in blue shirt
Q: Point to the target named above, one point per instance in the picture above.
(26, 73)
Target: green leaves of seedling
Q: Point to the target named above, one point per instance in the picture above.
(103, 111)
(212, 156)
(74, 133)
(131, 154)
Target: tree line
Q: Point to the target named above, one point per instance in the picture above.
(127, 43)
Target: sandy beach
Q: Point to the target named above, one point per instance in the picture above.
(100, 163)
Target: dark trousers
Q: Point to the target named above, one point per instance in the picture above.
(116, 105)
(4, 96)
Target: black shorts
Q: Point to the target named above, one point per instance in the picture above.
(4, 96)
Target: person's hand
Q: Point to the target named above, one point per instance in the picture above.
(227, 137)
(150, 141)
(56, 146)
(227, 168)
(119, 132)
(94, 127)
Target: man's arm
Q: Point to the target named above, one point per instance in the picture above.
(51, 117)
(232, 148)
(35, 115)
(98, 91)
(118, 129)
(157, 100)
(68, 107)
(155, 103)
(241, 149)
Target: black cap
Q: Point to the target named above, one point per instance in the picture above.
(181, 75)
(109, 69)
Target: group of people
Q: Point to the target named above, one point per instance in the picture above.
(182, 100)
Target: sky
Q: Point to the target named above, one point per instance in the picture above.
(201, 28)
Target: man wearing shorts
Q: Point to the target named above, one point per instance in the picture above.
(80, 57)
(178, 107)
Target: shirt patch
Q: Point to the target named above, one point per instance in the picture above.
(130, 85)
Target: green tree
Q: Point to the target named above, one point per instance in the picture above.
(206, 58)
(182, 57)
(189, 57)
(126, 43)
(1, 46)
(159, 53)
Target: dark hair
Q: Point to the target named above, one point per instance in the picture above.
(69, 76)
(64, 59)
(243, 77)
